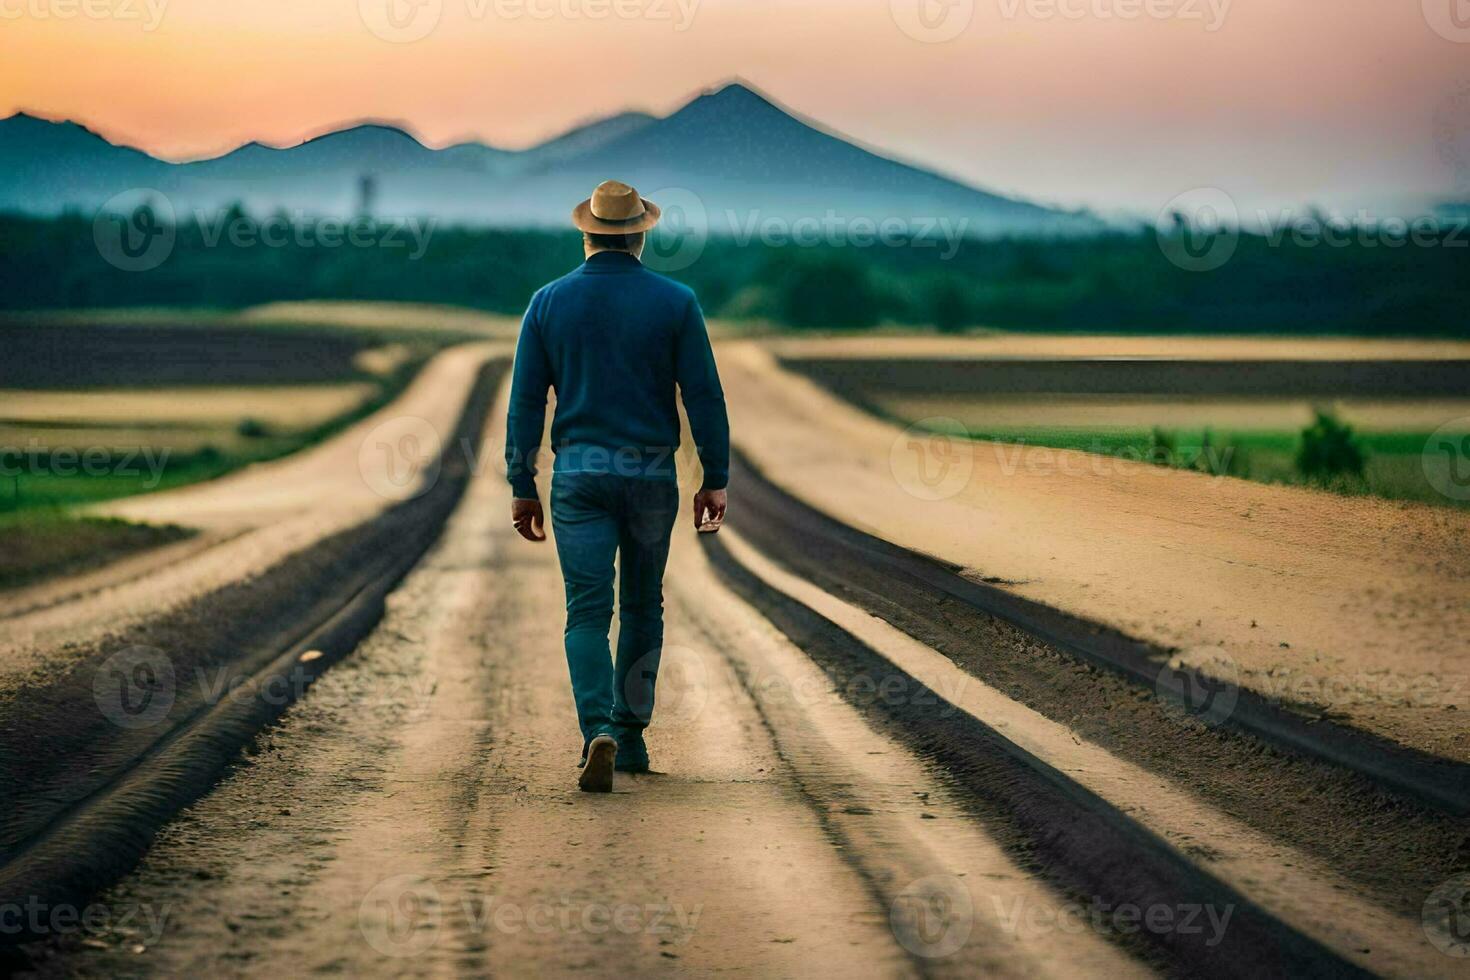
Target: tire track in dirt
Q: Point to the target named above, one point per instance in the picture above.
(957, 900)
(1083, 843)
(1308, 895)
(1396, 849)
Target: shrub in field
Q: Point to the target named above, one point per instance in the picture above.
(1329, 450)
(1216, 459)
(949, 306)
(252, 428)
(1162, 448)
(828, 293)
(1238, 463)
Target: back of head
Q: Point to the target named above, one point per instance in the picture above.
(597, 242)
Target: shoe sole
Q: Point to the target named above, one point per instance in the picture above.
(597, 775)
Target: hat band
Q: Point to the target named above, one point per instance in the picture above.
(621, 221)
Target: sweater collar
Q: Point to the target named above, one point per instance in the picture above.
(603, 262)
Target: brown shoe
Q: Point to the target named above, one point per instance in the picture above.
(597, 774)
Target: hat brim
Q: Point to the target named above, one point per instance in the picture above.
(585, 220)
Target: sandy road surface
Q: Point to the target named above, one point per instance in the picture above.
(250, 520)
(417, 813)
(1303, 595)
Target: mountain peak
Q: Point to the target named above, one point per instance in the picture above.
(734, 100)
(371, 130)
(23, 118)
(735, 91)
(27, 130)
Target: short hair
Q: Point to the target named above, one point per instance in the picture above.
(617, 243)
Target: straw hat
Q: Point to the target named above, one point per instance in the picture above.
(615, 209)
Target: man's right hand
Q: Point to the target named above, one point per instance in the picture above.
(527, 517)
(709, 511)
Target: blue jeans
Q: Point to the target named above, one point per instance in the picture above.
(597, 517)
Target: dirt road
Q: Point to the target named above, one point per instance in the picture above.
(418, 812)
(844, 787)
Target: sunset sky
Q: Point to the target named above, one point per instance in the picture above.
(1277, 101)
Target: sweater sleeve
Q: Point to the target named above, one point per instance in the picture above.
(704, 399)
(526, 419)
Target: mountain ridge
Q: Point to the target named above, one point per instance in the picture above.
(729, 148)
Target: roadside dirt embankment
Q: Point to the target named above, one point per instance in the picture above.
(1354, 608)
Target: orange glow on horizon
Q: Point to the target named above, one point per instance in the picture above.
(1091, 109)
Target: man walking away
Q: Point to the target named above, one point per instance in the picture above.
(613, 339)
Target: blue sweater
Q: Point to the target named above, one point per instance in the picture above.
(613, 339)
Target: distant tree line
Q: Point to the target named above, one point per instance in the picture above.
(1119, 281)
